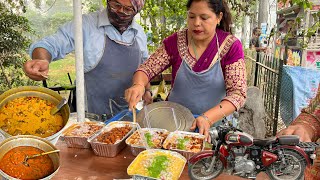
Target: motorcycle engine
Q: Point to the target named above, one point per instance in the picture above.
(243, 165)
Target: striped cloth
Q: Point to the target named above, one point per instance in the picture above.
(137, 4)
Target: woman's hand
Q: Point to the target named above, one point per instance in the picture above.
(316, 162)
(36, 69)
(134, 94)
(147, 98)
(303, 131)
(203, 126)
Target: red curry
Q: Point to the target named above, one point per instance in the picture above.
(39, 167)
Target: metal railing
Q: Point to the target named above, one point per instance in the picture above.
(264, 71)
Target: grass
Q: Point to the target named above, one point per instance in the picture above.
(58, 71)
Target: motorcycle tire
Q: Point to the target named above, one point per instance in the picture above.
(197, 171)
(277, 170)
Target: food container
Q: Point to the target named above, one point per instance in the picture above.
(34, 141)
(76, 136)
(186, 143)
(110, 140)
(153, 138)
(40, 92)
(158, 164)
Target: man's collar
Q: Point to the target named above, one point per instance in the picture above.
(103, 20)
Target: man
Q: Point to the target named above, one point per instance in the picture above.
(254, 42)
(114, 45)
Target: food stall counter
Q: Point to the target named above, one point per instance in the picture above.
(83, 164)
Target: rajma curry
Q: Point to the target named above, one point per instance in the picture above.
(39, 167)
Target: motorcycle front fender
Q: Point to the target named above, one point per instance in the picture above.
(204, 154)
(297, 149)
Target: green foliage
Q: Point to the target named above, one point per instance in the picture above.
(302, 3)
(165, 17)
(14, 31)
(12, 27)
(45, 25)
(296, 30)
(168, 16)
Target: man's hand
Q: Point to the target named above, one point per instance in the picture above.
(36, 69)
(303, 131)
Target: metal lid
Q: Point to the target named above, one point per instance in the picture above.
(160, 115)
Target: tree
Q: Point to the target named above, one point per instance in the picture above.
(14, 31)
(161, 18)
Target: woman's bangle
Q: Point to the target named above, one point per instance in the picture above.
(206, 118)
(137, 84)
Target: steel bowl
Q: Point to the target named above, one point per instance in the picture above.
(40, 92)
(34, 141)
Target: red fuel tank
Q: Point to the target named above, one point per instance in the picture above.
(239, 139)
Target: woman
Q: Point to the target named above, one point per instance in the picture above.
(114, 46)
(208, 69)
(307, 126)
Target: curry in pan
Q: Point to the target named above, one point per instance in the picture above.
(37, 168)
(30, 116)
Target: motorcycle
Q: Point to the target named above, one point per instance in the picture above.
(238, 153)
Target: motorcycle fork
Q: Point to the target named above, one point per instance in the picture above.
(215, 155)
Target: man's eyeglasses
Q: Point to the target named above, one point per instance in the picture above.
(116, 6)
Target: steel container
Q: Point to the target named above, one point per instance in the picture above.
(34, 141)
(35, 91)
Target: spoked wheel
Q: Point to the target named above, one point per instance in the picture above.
(291, 167)
(199, 170)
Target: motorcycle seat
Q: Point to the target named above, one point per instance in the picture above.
(264, 142)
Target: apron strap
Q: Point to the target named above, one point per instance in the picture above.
(223, 45)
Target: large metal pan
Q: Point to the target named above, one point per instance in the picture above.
(36, 91)
(159, 115)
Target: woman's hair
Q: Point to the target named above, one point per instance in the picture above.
(218, 6)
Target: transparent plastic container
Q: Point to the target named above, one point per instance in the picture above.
(162, 118)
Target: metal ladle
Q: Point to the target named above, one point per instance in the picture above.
(57, 108)
(25, 161)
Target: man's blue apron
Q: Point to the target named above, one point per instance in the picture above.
(106, 83)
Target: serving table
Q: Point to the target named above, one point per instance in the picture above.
(83, 164)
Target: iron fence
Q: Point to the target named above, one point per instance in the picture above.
(264, 71)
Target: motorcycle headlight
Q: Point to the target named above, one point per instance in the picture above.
(213, 133)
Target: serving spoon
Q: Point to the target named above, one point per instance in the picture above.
(25, 161)
(57, 108)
